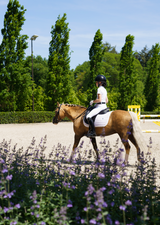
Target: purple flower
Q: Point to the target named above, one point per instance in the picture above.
(13, 223)
(118, 176)
(112, 204)
(111, 192)
(4, 171)
(122, 207)
(72, 173)
(101, 175)
(103, 189)
(128, 202)
(43, 223)
(117, 222)
(9, 177)
(37, 215)
(5, 209)
(82, 221)
(91, 189)
(85, 209)
(38, 206)
(73, 187)
(1, 160)
(92, 221)
(69, 204)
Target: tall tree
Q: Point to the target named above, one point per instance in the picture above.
(126, 75)
(15, 83)
(151, 86)
(143, 56)
(58, 85)
(40, 68)
(96, 53)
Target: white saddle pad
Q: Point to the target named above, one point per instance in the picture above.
(101, 120)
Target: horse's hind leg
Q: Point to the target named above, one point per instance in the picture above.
(94, 143)
(132, 139)
(127, 147)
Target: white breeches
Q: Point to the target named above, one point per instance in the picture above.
(95, 111)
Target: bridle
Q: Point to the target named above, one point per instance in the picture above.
(56, 120)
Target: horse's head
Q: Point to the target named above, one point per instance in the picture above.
(58, 115)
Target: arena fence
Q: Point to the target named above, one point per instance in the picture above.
(137, 110)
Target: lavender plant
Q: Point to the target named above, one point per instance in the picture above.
(40, 189)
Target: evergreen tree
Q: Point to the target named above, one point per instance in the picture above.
(96, 53)
(58, 85)
(15, 83)
(127, 76)
(143, 56)
(151, 86)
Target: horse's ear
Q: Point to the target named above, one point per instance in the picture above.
(57, 103)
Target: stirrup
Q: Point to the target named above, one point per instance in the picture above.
(91, 134)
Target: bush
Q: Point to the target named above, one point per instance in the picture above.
(27, 117)
(43, 191)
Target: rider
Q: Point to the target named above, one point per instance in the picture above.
(100, 103)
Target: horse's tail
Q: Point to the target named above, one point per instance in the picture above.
(137, 133)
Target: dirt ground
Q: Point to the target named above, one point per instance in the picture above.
(22, 135)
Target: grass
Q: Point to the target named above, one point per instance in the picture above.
(40, 189)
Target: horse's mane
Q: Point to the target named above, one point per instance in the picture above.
(73, 105)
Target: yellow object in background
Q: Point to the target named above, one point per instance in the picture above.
(136, 109)
(157, 122)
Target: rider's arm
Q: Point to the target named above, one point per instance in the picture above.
(98, 99)
(106, 99)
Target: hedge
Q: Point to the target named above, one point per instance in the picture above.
(27, 117)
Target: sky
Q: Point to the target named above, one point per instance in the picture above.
(115, 19)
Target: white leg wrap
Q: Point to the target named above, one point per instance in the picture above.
(126, 158)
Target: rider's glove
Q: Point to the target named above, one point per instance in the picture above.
(91, 102)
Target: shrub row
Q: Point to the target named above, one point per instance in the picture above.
(27, 117)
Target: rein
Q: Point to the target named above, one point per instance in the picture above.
(80, 114)
(58, 120)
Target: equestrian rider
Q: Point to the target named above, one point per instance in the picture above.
(100, 103)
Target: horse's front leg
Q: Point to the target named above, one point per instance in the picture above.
(76, 142)
(94, 143)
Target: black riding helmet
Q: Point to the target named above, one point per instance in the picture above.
(100, 78)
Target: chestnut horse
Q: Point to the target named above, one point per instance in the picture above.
(124, 123)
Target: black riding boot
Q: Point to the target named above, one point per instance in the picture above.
(91, 132)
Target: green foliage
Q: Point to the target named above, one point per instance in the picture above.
(26, 117)
(44, 189)
(96, 53)
(151, 86)
(81, 74)
(40, 69)
(108, 48)
(113, 97)
(15, 82)
(58, 85)
(143, 56)
(110, 66)
(127, 74)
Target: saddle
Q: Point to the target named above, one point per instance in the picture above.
(104, 111)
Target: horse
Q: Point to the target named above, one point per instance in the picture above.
(124, 123)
